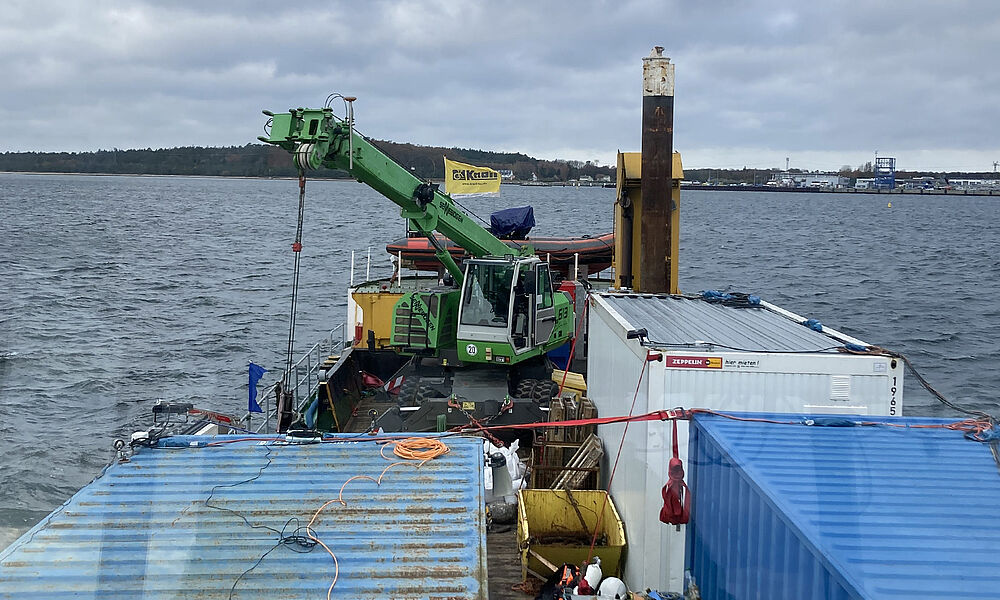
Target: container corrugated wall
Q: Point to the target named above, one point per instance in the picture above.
(794, 512)
(809, 383)
(147, 528)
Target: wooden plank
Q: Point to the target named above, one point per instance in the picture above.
(574, 381)
(576, 508)
(543, 560)
(587, 457)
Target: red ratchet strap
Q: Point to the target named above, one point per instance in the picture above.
(676, 511)
(656, 415)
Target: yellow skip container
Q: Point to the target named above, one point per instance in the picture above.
(551, 531)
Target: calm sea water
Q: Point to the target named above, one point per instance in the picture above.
(117, 291)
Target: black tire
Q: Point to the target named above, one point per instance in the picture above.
(539, 390)
(545, 390)
(525, 388)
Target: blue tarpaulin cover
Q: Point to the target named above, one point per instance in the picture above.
(512, 223)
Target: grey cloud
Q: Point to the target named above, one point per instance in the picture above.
(754, 78)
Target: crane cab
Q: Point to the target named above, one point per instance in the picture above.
(508, 311)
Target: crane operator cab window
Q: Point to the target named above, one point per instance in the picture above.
(487, 294)
(522, 299)
(545, 313)
(543, 299)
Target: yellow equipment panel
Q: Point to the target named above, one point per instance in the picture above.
(376, 307)
(629, 198)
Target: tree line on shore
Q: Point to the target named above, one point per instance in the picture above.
(260, 160)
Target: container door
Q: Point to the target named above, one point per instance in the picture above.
(545, 312)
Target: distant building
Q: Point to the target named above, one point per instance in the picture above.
(585, 178)
(930, 183)
(975, 184)
(807, 180)
(916, 183)
(506, 174)
(885, 173)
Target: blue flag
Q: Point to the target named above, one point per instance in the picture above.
(256, 372)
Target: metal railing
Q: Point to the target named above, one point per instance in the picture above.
(301, 381)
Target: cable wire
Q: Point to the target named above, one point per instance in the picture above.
(299, 540)
(607, 492)
(296, 542)
(297, 250)
(208, 501)
(415, 448)
(331, 98)
(938, 395)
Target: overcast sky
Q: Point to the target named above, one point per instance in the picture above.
(824, 83)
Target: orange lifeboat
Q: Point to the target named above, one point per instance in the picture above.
(595, 252)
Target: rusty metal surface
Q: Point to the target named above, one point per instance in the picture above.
(657, 180)
(169, 524)
(656, 187)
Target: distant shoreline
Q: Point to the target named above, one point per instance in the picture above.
(895, 192)
(595, 184)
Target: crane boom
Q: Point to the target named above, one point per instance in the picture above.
(318, 138)
(501, 309)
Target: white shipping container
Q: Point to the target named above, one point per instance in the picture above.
(725, 358)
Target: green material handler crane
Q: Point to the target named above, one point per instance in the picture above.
(501, 309)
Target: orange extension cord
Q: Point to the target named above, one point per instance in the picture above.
(418, 449)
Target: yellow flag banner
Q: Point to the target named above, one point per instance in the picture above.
(461, 179)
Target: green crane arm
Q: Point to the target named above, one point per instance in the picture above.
(317, 139)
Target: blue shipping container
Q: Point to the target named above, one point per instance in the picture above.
(796, 512)
(186, 520)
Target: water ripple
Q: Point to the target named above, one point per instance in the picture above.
(122, 290)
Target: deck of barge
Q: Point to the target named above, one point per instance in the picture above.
(503, 566)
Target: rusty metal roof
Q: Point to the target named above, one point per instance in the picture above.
(170, 524)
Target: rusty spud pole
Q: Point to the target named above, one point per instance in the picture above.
(657, 176)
